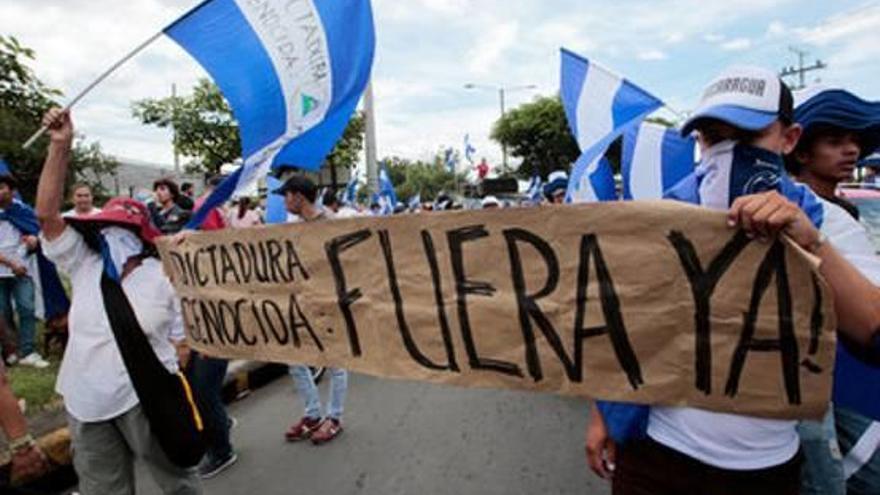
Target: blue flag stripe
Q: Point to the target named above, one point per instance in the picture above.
(205, 33)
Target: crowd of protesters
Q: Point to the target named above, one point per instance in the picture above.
(663, 450)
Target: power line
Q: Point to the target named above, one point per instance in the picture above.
(801, 70)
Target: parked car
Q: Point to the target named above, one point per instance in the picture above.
(867, 199)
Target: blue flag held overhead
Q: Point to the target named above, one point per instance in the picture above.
(600, 106)
(293, 73)
(469, 149)
(387, 195)
(655, 158)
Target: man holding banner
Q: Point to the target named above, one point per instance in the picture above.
(300, 194)
(744, 124)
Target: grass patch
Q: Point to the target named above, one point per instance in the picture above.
(37, 387)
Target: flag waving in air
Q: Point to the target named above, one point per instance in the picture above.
(387, 195)
(655, 158)
(600, 106)
(292, 71)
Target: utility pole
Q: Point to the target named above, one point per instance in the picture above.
(801, 70)
(370, 124)
(502, 95)
(174, 129)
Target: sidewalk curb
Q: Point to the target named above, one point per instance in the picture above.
(242, 378)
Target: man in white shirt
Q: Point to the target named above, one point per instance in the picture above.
(108, 427)
(16, 279)
(744, 120)
(83, 201)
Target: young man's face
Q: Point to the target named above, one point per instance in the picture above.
(832, 156)
(778, 137)
(558, 197)
(6, 194)
(294, 202)
(163, 194)
(82, 199)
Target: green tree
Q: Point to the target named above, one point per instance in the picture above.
(23, 101)
(204, 127)
(538, 133)
(206, 130)
(418, 177)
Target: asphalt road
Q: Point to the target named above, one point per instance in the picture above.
(410, 438)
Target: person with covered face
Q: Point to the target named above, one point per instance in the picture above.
(557, 185)
(109, 429)
(744, 125)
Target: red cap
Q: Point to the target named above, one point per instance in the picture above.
(124, 212)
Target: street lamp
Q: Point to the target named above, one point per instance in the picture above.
(502, 91)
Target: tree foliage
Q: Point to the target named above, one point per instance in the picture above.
(206, 130)
(538, 133)
(24, 98)
(428, 179)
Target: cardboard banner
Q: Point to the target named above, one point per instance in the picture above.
(648, 302)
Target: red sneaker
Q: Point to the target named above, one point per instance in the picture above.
(302, 429)
(328, 430)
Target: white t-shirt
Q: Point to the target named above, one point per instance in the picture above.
(11, 248)
(741, 442)
(93, 379)
(73, 213)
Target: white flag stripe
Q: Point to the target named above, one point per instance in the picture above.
(646, 177)
(595, 119)
(585, 192)
(862, 451)
(280, 39)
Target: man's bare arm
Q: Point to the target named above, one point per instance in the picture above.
(50, 191)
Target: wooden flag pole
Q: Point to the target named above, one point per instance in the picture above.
(94, 83)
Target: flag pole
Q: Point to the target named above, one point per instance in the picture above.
(94, 83)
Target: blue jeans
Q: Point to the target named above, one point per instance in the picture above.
(851, 427)
(206, 375)
(308, 391)
(20, 289)
(822, 471)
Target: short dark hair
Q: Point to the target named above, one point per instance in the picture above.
(186, 186)
(170, 184)
(808, 139)
(300, 184)
(330, 198)
(80, 185)
(9, 180)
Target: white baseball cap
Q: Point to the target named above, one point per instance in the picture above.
(490, 201)
(746, 97)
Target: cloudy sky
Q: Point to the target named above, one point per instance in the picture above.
(429, 49)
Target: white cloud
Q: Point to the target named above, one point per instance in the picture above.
(713, 38)
(484, 56)
(776, 29)
(649, 55)
(737, 44)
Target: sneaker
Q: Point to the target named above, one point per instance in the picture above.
(12, 360)
(302, 430)
(34, 360)
(212, 468)
(330, 428)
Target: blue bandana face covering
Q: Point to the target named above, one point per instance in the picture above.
(729, 170)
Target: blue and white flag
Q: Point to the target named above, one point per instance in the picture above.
(655, 158)
(351, 190)
(536, 189)
(469, 150)
(596, 181)
(415, 203)
(449, 160)
(387, 195)
(600, 107)
(292, 71)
